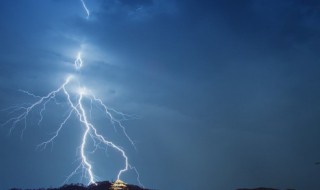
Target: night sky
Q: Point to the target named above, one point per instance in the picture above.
(226, 93)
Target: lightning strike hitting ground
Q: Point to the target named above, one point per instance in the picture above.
(76, 108)
(75, 101)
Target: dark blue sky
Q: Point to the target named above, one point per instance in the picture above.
(227, 92)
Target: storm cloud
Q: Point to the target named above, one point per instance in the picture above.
(227, 92)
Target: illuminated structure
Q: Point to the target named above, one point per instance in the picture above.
(119, 185)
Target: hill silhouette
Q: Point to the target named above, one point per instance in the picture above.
(105, 185)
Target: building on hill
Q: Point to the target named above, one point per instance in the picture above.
(119, 185)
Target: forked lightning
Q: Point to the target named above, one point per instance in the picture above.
(75, 100)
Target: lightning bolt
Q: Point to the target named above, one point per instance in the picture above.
(85, 8)
(75, 101)
(78, 62)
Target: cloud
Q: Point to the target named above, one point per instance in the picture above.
(136, 10)
(248, 69)
(137, 3)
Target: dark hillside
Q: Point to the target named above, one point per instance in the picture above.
(105, 185)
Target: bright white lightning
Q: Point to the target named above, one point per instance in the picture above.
(76, 108)
(23, 116)
(78, 62)
(85, 8)
(75, 101)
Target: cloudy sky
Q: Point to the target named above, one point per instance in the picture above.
(226, 92)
